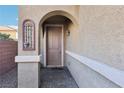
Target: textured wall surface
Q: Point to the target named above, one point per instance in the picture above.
(8, 51)
(86, 77)
(28, 75)
(38, 14)
(100, 35)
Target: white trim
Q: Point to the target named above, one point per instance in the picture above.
(62, 48)
(113, 74)
(44, 41)
(27, 59)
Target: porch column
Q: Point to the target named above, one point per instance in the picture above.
(28, 71)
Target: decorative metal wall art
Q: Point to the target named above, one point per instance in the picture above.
(28, 35)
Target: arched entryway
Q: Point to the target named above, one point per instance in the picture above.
(54, 28)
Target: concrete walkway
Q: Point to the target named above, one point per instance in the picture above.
(57, 78)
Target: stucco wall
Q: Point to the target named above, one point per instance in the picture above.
(72, 42)
(36, 13)
(98, 35)
(86, 77)
(28, 75)
(101, 34)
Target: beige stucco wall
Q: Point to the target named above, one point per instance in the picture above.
(72, 42)
(85, 77)
(99, 37)
(101, 34)
(36, 13)
(28, 75)
(98, 34)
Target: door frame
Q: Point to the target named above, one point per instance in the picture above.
(62, 45)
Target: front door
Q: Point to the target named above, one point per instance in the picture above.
(54, 46)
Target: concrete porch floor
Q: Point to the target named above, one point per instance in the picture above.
(57, 78)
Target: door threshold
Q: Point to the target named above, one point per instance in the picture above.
(54, 66)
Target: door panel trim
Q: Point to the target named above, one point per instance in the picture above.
(62, 44)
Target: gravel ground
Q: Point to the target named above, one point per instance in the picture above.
(9, 79)
(50, 78)
(57, 78)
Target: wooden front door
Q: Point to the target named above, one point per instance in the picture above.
(53, 46)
